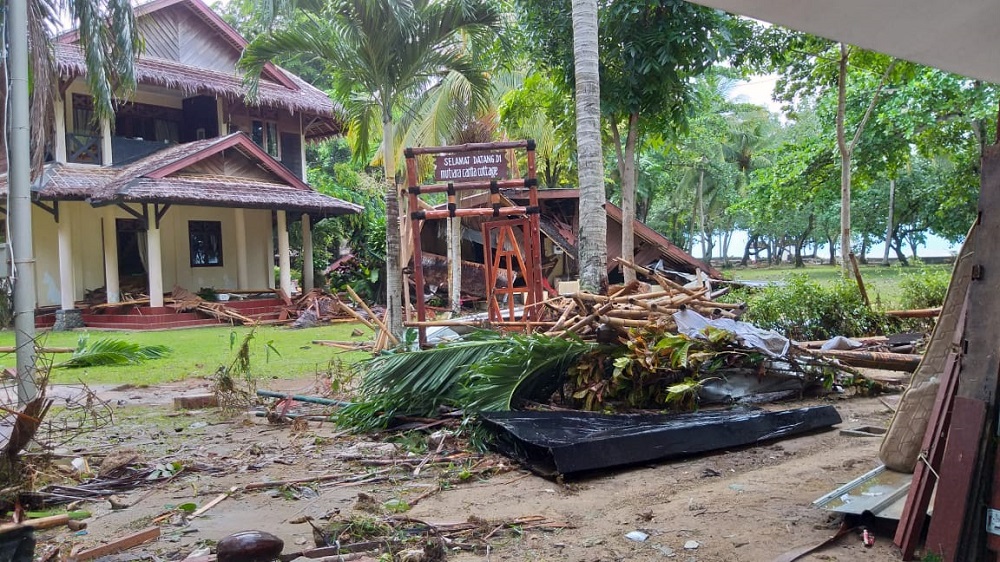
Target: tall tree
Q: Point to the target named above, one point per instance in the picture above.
(593, 252)
(384, 56)
(813, 66)
(649, 52)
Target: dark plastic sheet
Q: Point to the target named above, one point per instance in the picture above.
(565, 443)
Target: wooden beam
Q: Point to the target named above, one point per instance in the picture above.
(973, 442)
(124, 543)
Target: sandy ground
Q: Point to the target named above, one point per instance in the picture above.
(742, 505)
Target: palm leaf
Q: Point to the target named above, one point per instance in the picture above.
(110, 351)
(525, 367)
(412, 383)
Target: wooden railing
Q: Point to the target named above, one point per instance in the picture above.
(83, 149)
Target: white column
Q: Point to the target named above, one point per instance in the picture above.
(284, 261)
(270, 252)
(307, 253)
(106, 142)
(221, 112)
(67, 290)
(154, 264)
(242, 274)
(60, 140)
(111, 286)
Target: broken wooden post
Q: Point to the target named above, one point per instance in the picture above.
(861, 282)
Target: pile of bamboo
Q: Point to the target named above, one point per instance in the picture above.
(583, 314)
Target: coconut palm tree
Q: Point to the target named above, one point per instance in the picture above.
(384, 55)
(593, 250)
(110, 42)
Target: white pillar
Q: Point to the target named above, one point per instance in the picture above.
(106, 158)
(111, 286)
(284, 261)
(67, 290)
(60, 140)
(242, 274)
(154, 264)
(307, 253)
(270, 252)
(221, 112)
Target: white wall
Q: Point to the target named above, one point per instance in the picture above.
(88, 249)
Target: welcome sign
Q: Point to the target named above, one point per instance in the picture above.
(470, 166)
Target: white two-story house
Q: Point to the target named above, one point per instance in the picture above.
(191, 185)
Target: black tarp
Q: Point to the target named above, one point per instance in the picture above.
(554, 443)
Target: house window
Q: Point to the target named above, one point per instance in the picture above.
(265, 135)
(206, 243)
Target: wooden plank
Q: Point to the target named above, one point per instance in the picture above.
(918, 499)
(118, 545)
(957, 468)
(980, 373)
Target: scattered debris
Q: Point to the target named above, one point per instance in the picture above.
(691, 545)
(636, 536)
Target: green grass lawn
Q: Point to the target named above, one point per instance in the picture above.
(198, 352)
(882, 283)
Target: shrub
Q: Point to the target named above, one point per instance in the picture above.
(924, 289)
(805, 310)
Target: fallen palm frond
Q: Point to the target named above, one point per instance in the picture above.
(525, 367)
(413, 382)
(110, 351)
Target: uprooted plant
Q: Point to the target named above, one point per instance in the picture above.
(651, 369)
(40, 427)
(235, 384)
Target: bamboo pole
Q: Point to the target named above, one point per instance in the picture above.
(375, 318)
(874, 359)
(917, 313)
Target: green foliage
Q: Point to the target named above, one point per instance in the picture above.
(805, 310)
(925, 288)
(112, 351)
(649, 51)
(486, 373)
(657, 369)
(526, 367)
(412, 382)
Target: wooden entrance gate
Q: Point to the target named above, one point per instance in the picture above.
(517, 255)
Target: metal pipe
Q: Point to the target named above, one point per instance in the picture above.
(300, 398)
(19, 204)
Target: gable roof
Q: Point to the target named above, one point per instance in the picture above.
(164, 177)
(676, 255)
(277, 87)
(207, 15)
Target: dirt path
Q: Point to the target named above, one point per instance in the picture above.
(746, 505)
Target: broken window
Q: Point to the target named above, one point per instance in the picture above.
(206, 243)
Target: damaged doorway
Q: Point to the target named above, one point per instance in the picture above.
(131, 255)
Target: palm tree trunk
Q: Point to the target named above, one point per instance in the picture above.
(593, 250)
(701, 213)
(393, 246)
